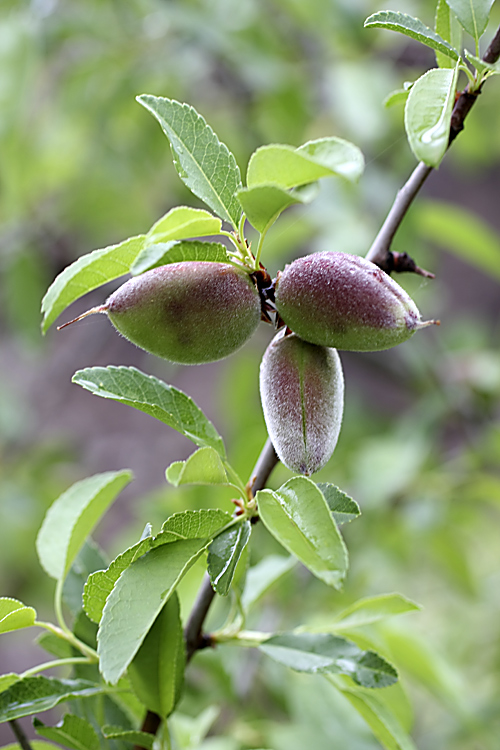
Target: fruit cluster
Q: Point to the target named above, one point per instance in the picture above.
(194, 312)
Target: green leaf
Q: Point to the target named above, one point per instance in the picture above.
(89, 559)
(202, 467)
(278, 164)
(137, 599)
(298, 516)
(142, 739)
(15, 615)
(87, 273)
(472, 14)
(151, 395)
(203, 163)
(382, 721)
(183, 222)
(412, 27)
(157, 671)
(190, 731)
(428, 114)
(447, 26)
(396, 97)
(224, 554)
(263, 204)
(73, 732)
(35, 745)
(32, 695)
(481, 66)
(197, 524)
(71, 518)
(6, 680)
(153, 256)
(461, 233)
(262, 576)
(342, 507)
(322, 652)
(373, 609)
(53, 644)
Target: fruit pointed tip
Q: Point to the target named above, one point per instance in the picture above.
(92, 311)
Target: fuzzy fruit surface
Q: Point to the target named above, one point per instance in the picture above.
(302, 393)
(190, 312)
(341, 300)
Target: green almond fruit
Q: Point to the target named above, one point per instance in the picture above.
(344, 301)
(191, 312)
(302, 394)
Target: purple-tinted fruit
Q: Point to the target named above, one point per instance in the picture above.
(341, 300)
(302, 393)
(190, 312)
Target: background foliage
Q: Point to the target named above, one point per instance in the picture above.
(82, 166)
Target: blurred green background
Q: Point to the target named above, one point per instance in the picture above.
(82, 165)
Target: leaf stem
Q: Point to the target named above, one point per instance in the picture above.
(55, 663)
(66, 634)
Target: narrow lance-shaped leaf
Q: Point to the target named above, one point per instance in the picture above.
(182, 222)
(428, 114)
(203, 163)
(71, 518)
(73, 732)
(154, 397)
(32, 695)
(15, 615)
(261, 577)
(162, 254)
(412, 27)
(448, 27)
(87, 273)
(224, 554)
(299, 518)
(373, 609)
(472, 14)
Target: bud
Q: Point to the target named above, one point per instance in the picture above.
(302, 393)
(341, 300)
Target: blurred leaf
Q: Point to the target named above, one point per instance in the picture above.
(71, 518)
(31, 695)
(396, 97)
(372, 609)
(142, 739)
(461, 233)
(136, 600)
(89, 559)
(203, 163)
(58, 647)
(428, 114)
(447, 26)
(157, 671)
(342, 507)
(146, 393)
(412, 27)
(482, 66)
(263, 204)
(262, 576)
(15, 615)
(202, 467)
(472, 14)
(224, 554)
(182, 222)
(189, 731)
(322, 652)
(87, 273)
(35, 745)
(299, 518)
(72, 732)
(153, 256)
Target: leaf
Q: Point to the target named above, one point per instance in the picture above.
(373, 609)
(73, 732)
(153, 256)
(481, 66)
(53, 644)
(299, 518)
(32, 695)
(343, 158)
(190, 731)
(87, 273)
(263, 204)
(89, 559)
(142, 739)
(34, 745)
(262, 576)
(396, 97)
(71, 518)
(15, 615)
(224, 554)
(197, 524)
(381, 720)
(428, 114)
(203, 163)
(157, 671)
(342, 507)
(412, 27)
(322, 652)
(202, 467)
(182, 222)
(6, 680)
(461, 233)
(136, 600)
(447, 26)
(154, 397)
(472, 14)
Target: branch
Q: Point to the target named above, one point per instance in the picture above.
(19, 735)
(380, 252)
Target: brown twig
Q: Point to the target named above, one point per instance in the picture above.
(24, 743)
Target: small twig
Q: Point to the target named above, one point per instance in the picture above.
(19, 735)
(380, 249)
